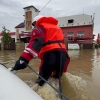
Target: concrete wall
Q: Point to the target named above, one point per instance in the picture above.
(2, 46)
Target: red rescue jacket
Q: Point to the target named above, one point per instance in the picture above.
(53, 33)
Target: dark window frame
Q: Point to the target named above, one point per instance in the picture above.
(70, 21)
(70, 38)
(81, 33)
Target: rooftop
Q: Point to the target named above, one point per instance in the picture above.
(69, 21)
(20, 25)
(75, 20)
(31, 6)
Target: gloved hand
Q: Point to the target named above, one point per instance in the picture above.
(20, 64)
(10, 69)
(13, 71)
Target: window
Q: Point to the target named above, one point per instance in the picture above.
(70, 33)
(70, 36)
(22, 32)
(28, 9)
(70, 39)
(80, 34)
(70, 21)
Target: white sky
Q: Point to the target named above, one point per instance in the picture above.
(11, 11)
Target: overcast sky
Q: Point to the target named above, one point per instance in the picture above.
(11, 11)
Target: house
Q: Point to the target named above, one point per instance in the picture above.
(78, 29)
(24, 29)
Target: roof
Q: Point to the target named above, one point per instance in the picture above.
(10, 33)
(78, 20)
(31, 7)
(20, 25)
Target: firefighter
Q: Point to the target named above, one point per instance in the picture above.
(46, 43)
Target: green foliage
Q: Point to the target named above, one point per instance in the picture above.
(6, 37)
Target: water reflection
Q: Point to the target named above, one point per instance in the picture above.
(82, 78)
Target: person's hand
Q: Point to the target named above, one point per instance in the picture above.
(11, 69)
(20, 64)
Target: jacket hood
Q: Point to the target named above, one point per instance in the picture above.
(50, 20)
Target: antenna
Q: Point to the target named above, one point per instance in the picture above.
(31, 1)
(45, 5)
(93, 19)
(83, 10)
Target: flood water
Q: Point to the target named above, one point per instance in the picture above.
(81, 82)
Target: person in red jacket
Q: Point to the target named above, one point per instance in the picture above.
(46, 43)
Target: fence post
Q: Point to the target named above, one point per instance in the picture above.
(2, 46)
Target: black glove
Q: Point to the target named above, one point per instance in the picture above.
(20, 64)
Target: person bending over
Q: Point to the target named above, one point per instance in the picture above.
(46, 43)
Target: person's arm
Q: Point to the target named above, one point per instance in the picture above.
(32, 50)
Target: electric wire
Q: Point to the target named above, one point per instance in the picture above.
(45, 5)
(60, 87)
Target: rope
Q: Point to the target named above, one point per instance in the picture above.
(49, 84)
(3, 65)
(60, 87)
(60, 92)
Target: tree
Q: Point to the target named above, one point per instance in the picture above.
(6, 37)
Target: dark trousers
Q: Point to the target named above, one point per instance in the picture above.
(52, 61)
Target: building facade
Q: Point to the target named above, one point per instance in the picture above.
(23, 30)
(76, 28)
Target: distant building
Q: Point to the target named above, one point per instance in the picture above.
(76, 28)
(24, 29)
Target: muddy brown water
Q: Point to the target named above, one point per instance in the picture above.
(81, 82)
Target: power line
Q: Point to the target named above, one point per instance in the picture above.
(45, 5)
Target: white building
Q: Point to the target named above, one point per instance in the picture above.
(24, 29)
